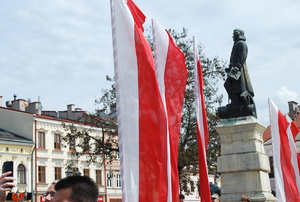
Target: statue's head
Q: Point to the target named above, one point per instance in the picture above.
(238, 34)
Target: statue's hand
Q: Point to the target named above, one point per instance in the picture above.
(235, 70)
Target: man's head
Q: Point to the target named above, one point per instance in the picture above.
(181, 197)
(48, 196)
(245, 198)
(215, 197)
(76, 189)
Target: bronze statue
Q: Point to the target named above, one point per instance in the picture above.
(238, 84)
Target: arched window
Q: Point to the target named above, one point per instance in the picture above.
(21, 174)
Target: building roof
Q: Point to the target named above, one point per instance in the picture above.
(12, 137)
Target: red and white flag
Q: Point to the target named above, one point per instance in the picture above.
(285, 156)
(171, 75)
(142, 122)
(202, 127)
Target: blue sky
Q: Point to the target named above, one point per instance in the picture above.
(61, 51)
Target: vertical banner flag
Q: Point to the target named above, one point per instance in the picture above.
(285, 156)
(141, 116)
(171, 75)
(202, 128)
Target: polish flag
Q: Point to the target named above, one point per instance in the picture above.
(142, 123)
(171, 75)
(202, 128)
(285, 156)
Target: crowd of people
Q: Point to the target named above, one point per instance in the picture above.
(69, 189)
(75, 189)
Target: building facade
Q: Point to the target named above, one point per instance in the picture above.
(49, 156)
(19, 150)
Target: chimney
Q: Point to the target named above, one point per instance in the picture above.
(19, 104)
(70, 110)
(293, 109)
(34, 107)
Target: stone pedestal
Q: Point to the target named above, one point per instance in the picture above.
(243, 165)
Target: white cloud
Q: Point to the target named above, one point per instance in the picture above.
(287, 95)
(62, 50)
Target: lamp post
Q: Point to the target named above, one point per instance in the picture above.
(69, 172)
(77, 172)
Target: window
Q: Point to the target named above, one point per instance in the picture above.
(57, 173)
(117, 155)
(41, 140)
(72, 143)
(57, 141)
(85, 145)
(21, 174)
(271, 173)
(109, 181)
(41, 174)
(119, 184)
(86, 172)
(98, 177)
(74, 169)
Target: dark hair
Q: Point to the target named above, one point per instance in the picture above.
(84, 189)
(181, 196)
(246, 198)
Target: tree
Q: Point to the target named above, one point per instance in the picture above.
(82, 142)
(212, 73)
(188, 153)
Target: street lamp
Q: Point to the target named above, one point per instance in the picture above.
(69, 172)
(77, 172)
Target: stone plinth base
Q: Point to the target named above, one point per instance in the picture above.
(243, 165)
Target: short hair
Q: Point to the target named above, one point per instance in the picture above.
(54, 182)
(83, 188)
(181, 196)
(246, 198)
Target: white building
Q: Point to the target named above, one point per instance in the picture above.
(45, 129)
(19, 150)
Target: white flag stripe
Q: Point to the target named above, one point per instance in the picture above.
(280, 194)
(294, 154)
(198, 99)
(285, 155)
(124, 48)
(161, 44)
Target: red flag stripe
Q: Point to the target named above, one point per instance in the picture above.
(202, 128)
(171, 76)
(141, 116)
(152, 123)
(286, 165)
(138, 15)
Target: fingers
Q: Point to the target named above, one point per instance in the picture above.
(6, 182)
(4, 177)
(5, 174)
(6, 187)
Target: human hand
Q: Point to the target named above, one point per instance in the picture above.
(4, 185)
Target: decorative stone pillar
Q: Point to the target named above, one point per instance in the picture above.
(243, 165)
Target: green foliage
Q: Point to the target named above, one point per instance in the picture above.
(188, 152)
(81, 142)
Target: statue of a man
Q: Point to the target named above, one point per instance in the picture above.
(238, 84)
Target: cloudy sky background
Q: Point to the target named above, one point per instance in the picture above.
(61, 51)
